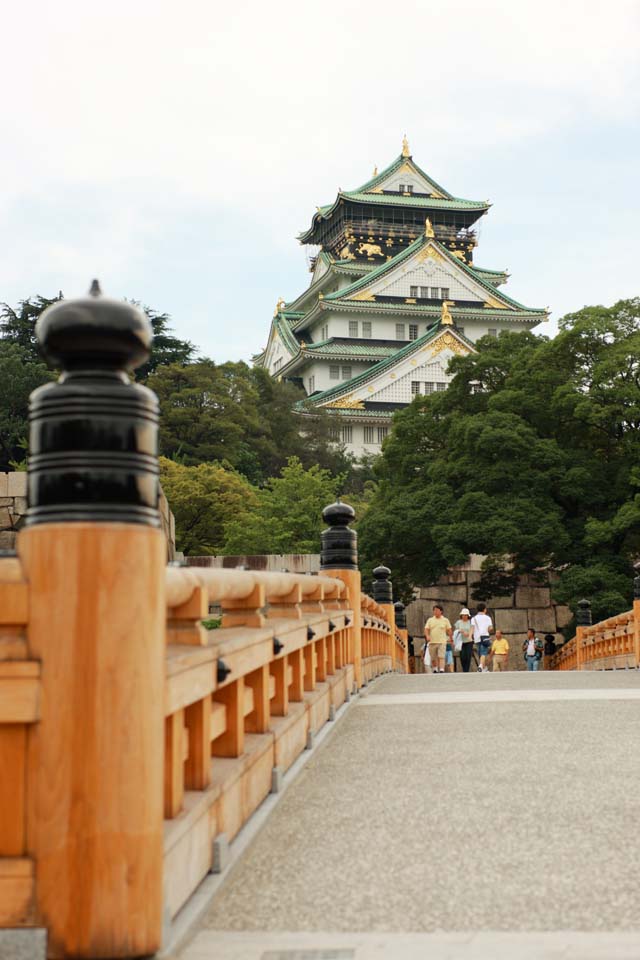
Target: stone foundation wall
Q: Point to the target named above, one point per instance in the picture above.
(277, 562)
(13, 508)
(530, 605)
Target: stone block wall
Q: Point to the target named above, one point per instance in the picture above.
(13, 506)
(530, 605)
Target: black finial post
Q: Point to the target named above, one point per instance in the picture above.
(583, 616)
(401, 617)
(382, 588)
(339, 544)
(93, 434)
(636, 581)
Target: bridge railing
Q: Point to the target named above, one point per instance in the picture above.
(611, 644)
(134, 742)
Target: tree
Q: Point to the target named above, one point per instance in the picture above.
(529, 457)
(204, 500)
(287, 516)
(17, 326)
(19, 376)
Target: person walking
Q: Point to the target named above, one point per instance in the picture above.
(482, 630)
(463, 639)
(500, 653)
(437, 630)
(532, 649)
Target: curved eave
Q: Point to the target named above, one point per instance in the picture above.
(456, 204)
(389, 265)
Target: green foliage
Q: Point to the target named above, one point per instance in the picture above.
(18, 324)
(213, 623)
(240, 415)
(531, 456)
(166, 348)
(287, 514)
(204, 499)
(19, 375)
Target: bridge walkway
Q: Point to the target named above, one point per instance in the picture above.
(451, 816)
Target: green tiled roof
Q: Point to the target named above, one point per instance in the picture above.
(302, 405)
(384, 199)
(395, 165)
(423, 241)
(328, 348)
(382, 365)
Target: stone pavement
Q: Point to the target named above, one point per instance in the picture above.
(451, 816)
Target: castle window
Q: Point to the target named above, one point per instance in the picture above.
(347, 434)
(429, 388)
(413, 291)
(424, 292)
(434, 293)
(353, 328)
(444, 293)
(413, 331)
(415, 388)
(399, 331)
(346, 373)
(366, 329)
(409, 188)
(369, 435)
(334, 371)
(441, 387)
(334, 433)
(401, 187)
(312, 384)
(382, 432)
(492, 332)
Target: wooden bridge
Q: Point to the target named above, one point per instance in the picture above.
(134, 743)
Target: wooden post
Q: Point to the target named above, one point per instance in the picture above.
(583, 620)
(94, 555)
(339, 558)
(382, 592)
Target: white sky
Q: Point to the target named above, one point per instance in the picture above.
(175, 150)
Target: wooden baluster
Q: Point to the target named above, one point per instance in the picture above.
(310, 667)
(296, 664)
(197, 773)
(174, 751)
(321, 659)
(279, 670)
(231, 743)
(259, 719)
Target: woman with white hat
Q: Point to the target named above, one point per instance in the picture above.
(463, 639)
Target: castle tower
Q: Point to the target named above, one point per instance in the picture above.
(394, 293)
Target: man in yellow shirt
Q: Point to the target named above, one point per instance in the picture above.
(500, 652)
(437, 630)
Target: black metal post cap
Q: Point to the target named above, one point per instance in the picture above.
(93, 435)
(401, 619)
(382, 588)
(94, 332)
(278, 645)
(636, 581)
(583, 616)
(339, 544)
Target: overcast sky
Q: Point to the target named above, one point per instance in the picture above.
(175, 149)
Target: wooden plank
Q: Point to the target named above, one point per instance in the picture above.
(189, 686)
(184, 621)
(174, 734)
(16, 891)
(13, 746)
(231, 742)
(197, 770)
(248, 700)
(14, 603)
(19, 691)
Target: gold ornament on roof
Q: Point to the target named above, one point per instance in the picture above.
(375, 171)
(279, 305)
(428, 228)
(405, 147)
(446, 317)
(347, 403)
(447, 341)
